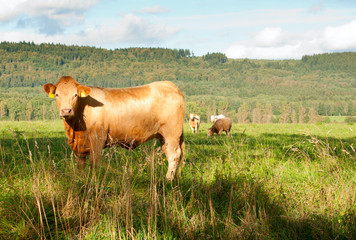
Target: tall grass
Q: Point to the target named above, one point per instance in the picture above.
(272, 182)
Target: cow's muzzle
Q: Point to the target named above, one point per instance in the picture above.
(66, 112)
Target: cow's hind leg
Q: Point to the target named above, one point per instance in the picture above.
(174, 150)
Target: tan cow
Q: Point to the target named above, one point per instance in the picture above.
(95, 118)
(194, 122)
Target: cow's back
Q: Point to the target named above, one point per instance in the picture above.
(136, 113)
(223, 124)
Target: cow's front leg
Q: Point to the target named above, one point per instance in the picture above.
(191, 128)
(174, 155)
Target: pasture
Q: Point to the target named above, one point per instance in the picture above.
(266, 181)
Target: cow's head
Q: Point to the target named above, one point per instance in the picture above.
(210, 132)
(68, 93)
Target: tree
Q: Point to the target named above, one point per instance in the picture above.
(313, 115)
(54, 110)
(208, 114)
(346, 108)
(301, 114)
(215, 58)
(44, 112)
(243, 114)
(257, 114)
(3, 109)
(268, 114)
(214, 108)
(294, 116)
(29, 111)
(285, 113)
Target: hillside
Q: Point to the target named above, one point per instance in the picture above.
(212, 83)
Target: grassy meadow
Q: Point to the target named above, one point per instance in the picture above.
(265, 181)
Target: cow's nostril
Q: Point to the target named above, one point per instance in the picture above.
(66, 112)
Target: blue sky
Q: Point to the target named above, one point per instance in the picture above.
(255, 29)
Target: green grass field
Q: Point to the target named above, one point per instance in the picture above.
(266, 181)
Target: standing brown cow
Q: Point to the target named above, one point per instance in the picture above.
(222, 124)
(95, 118)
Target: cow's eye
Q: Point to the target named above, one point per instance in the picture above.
(56, 94)
(75, 95)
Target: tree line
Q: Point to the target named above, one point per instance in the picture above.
(211, 83)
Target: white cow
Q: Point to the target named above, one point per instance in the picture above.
(214, 118)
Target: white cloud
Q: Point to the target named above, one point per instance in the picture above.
(130, 29)
(268, 37)
(275, 43)
(47, 16)
(340, 37)
(53, 9)
(10, 9)
(153, 10)
(287, 51)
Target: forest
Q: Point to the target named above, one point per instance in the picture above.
(247, 90)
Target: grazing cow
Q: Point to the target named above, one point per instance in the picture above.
(214, 118)
(95, 118)
(222, 124)
(194, 122)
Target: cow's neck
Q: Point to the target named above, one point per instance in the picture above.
(76, 123)
(75, 130)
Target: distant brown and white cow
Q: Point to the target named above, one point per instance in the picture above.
(222, 124)
(95, 118)
(194, 122)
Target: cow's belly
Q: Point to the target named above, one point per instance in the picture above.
(130, 138)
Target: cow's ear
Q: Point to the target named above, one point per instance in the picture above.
(50, 89)
(83, 91)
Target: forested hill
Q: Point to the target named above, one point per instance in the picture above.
(211, 83)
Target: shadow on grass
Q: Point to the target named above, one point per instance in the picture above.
(239, 208)
(20, 148)
(224, 207)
